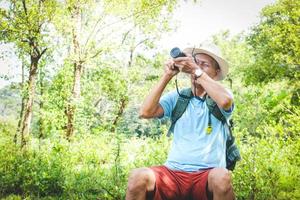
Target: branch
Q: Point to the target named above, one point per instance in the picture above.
(125, 36)
(24, 6)
(25, 40)
(128, 16)
(39, 10)
(43, 52)
(37, 50)
(97, 102)
(96, 54)
(90, 35)
(133, 49)
(141, 42)
(94, 28)
(85, 50)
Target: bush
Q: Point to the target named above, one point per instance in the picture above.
(30, 172)
(270, 165)
(96, 166)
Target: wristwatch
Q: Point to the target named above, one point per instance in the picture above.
(198, 73)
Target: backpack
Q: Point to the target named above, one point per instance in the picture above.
(232, 152)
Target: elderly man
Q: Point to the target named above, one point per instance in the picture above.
(196, 164)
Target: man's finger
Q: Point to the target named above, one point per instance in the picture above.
(179, 59)
(181, 63)
(179, 67)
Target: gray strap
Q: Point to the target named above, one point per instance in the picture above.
(215, 110)
(180, 107)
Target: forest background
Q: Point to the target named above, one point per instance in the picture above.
(70, 128)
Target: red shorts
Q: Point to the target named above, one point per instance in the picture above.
(179, 185)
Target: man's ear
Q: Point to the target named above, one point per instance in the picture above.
(217, 73)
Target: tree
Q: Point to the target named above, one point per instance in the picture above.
(24, 23)
(93, 38)
(276, 43)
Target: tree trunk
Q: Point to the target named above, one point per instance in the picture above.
(71, 107)
(130, 57)
(122, 106)
(28, 108)
(22, 106)
(41, 105)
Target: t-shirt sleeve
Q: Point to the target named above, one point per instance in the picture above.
(168, 102)
(228, 113)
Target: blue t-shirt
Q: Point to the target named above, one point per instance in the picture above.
(193, 148)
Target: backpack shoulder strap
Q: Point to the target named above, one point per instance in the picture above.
(180, 107)
(214, 109)
(232, 151)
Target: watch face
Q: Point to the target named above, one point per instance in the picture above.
(198, 72)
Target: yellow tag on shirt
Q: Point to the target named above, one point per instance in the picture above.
(208, 130)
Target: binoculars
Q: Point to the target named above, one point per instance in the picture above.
(176, 52)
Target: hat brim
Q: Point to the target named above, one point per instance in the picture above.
(222, 63)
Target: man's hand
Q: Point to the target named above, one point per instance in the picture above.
(170, 69)
(186, 64)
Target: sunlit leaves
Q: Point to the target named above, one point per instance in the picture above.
(276, 43)
(24, 23)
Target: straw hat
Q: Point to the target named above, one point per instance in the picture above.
(214, 52)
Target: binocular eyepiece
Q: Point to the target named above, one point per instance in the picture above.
(176, 52)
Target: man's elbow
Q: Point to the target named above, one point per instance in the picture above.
(227, 102)
(143, 114)
(150, 113)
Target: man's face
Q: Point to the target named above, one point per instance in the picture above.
(207, 64)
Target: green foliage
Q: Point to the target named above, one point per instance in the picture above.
(23, 24)
(142, 11)
(55, 98)
(31, 172)
(237, 53)
(276, 44)
(117, 74)
(266, 122)
(259, 106)
(270, 165)
(91, 167)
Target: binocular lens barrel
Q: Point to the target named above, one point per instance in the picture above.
(176, 52)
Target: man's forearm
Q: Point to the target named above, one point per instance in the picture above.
(216, 91)
(151, 104)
